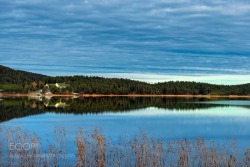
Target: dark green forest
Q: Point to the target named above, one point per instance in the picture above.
(20, 81)
(11, 76)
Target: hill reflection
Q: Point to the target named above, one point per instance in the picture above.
(11, 108)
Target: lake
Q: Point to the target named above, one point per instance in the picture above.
(168, 119)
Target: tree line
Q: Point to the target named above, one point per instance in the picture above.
(20, 81)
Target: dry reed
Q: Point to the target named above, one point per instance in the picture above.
(93, 149)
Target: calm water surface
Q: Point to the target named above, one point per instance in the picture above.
(167, 118)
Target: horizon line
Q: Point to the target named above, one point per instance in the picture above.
(152, 78)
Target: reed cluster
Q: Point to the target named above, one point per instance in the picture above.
(20, 148)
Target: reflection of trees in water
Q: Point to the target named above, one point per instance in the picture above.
(19, 107)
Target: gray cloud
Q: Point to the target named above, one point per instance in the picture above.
(179, 37)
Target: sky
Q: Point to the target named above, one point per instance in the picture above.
(147, 40)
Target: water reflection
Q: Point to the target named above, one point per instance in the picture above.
(57, 104)
(20, 107)
(162, 118)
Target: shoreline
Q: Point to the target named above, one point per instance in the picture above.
(128, 95)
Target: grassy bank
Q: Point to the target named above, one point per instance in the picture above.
(19, 148)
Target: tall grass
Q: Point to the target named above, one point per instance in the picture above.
(19, 148)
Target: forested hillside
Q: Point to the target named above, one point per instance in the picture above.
(98, 85)
(11, 76)
(20, 81)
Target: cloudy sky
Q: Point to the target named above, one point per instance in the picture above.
(149, 40)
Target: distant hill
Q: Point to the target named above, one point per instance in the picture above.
(11, 76)
(20, 81)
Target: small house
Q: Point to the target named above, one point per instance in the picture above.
(61, 85)
(58, 85)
